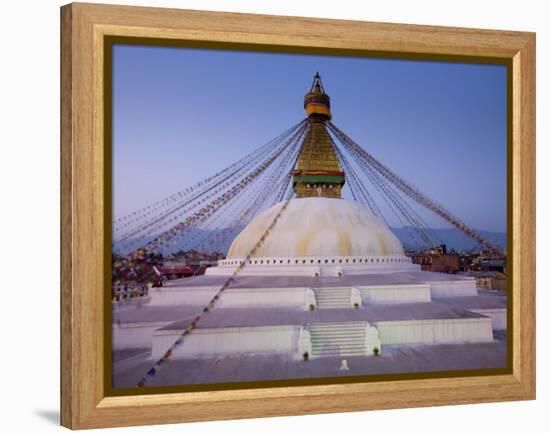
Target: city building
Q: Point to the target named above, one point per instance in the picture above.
(437, 262)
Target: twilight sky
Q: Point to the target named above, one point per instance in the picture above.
(182, 114)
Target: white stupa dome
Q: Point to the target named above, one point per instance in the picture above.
(317, 227)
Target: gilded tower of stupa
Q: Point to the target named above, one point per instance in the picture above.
(318, 172)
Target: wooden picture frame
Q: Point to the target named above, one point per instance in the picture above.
(84, 27)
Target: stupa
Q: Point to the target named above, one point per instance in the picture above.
(330, 280)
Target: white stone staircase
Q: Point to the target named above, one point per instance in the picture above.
(333, 297)
(338, 339)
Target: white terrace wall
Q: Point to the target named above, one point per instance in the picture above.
(446, 289)
(174, 295)
(397, 294)
(499, 317)
(135, 335)
(472, 330)
(285, 338)
(288, 297)
(276, 297)
(229, 341)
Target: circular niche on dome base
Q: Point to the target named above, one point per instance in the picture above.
(337, 266)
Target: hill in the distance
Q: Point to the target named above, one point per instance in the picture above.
(451, 237)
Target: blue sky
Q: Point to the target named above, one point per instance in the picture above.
(180, 114)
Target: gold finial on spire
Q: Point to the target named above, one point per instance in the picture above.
(316, 101)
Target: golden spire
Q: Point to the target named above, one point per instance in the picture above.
(318, 173)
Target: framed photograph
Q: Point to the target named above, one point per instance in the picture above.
(268, 216)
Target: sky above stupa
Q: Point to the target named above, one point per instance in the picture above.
(180, 115)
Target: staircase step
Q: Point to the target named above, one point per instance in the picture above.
(344, 325)
(330, 297)
(342, 300)
(339, 338)
(323, 348)
(325, 292)
(350, 323)
(317, 343)
(339, 352)
(346, 304)
(338, 332)
(329, 306)
(334, 301)
(346, 300)
(341, 345)
(322, 299)
(318, 349)
(333, 289)
(333, 293)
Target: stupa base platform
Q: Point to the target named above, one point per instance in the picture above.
(291, 318)
(395, 359)
(234, 331)
(441, 285)
(226, 331)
